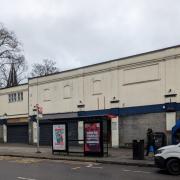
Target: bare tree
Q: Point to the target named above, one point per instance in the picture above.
(47, 67)
(10, 53)
(20, 68)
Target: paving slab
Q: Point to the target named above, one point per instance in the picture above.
(119, 156)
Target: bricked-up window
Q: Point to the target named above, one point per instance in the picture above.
(15, 97)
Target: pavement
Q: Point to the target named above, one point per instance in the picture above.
(119, 156)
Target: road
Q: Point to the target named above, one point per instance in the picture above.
(12, 168)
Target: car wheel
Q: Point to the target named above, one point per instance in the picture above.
(173, 166)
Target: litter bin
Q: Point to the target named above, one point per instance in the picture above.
(135, 149)
(138, 150)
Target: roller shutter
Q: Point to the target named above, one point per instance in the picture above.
(45, 134)
(73, 131)
(17, 134)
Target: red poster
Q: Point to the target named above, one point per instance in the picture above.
(92, 137)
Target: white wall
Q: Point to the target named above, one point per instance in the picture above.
(14, 109)
(135, 81)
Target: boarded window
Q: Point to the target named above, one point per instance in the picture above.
(141, 74)
(67, 92)
(46, 95)
(97, 89)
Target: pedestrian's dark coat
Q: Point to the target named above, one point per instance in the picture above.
(150, 137)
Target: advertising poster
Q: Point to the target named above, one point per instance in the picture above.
(92, 137)
(59, 137)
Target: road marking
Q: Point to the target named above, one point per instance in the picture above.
(7, 158)
(141, 172)
(98, 167)
(25, 178)
(76, 168)
(94, 167)
(26, 161)
(90, 165)
(127, 170)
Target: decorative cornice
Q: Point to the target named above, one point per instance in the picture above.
(117, 67)
(13, 91)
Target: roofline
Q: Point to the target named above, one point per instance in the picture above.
(109, 61)
(14, 86)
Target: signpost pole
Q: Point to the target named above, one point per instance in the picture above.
(38, 150)
(37, 109)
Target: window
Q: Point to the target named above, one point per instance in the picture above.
(21, 96)
(14, 97)
(10, 97)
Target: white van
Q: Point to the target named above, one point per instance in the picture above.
(168, 157)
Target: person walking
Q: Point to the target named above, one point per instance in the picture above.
(150, 141)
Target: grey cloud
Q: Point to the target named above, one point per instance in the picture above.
(77, 33)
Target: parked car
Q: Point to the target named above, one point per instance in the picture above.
(168, 157)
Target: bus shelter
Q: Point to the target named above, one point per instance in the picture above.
(91, 140)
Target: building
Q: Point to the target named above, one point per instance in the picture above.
(14, 105)
(139, 92)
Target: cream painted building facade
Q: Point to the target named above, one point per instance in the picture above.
(13, 108)
(141, 91)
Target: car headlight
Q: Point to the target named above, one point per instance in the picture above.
(159, 151)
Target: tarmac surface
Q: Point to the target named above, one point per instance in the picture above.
(17, 168)
(119, 156)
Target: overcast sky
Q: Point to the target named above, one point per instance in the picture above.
(80, 32)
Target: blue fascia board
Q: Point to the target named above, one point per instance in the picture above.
(178, 107)
(142, 110)
(126, 111)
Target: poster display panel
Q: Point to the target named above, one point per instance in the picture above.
(92, 138)
(59, 137)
